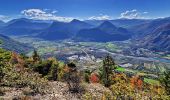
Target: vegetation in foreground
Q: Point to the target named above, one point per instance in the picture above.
(33, 74)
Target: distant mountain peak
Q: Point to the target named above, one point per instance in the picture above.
(107, 24)
(79, 23)
(75, 20)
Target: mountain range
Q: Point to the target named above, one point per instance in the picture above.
(104, 33)
(125, 23)
(61, 30)
(148, 33)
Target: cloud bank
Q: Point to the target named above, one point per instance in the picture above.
(133, 14)
(45, 14)
(102, 17)
(4, 18)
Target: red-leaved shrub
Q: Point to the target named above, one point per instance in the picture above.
(94, 78)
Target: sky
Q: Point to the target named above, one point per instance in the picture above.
(66, 10)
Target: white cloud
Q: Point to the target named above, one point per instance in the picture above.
(44, 15)
(4, 18)
(133, 14)
(145, 12)
(101, 17)
(54, 11)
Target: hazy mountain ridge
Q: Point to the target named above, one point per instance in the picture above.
(12, 45)
(125, 23)
(22, 26)
(104, 33)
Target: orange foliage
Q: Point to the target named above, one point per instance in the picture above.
(139, 84)
(94, 78)
(14, 57)
(18, 62)
(136, 82)
(66, 69)
(132, 82)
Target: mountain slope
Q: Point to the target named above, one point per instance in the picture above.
(22, 26)
(76, 25)
(148, 27)
(9, 44)
(159, 39)
(103, 33)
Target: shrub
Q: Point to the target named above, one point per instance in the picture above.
(94, 78)
(165, 81)
(136, 82)
(53, 71)
(87, 74)
(43, 67)
(35, 56)
(73, 79)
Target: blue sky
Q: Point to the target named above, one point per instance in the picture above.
(66, 10)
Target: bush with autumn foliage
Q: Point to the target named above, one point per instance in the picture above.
(94, 78)
(17, 75)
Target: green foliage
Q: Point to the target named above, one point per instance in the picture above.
(106, 71)
(53, 72)
(35, 56)
(14, 74)
(25, 78)
(121, 69)
(87, 74)
(165, 81)
(51, 69)
(5, 56)
(151, 81)
(60, 71)
(43, 67)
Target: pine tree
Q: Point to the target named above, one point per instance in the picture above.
(53, 72)
(35, 56)
(107, 70)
